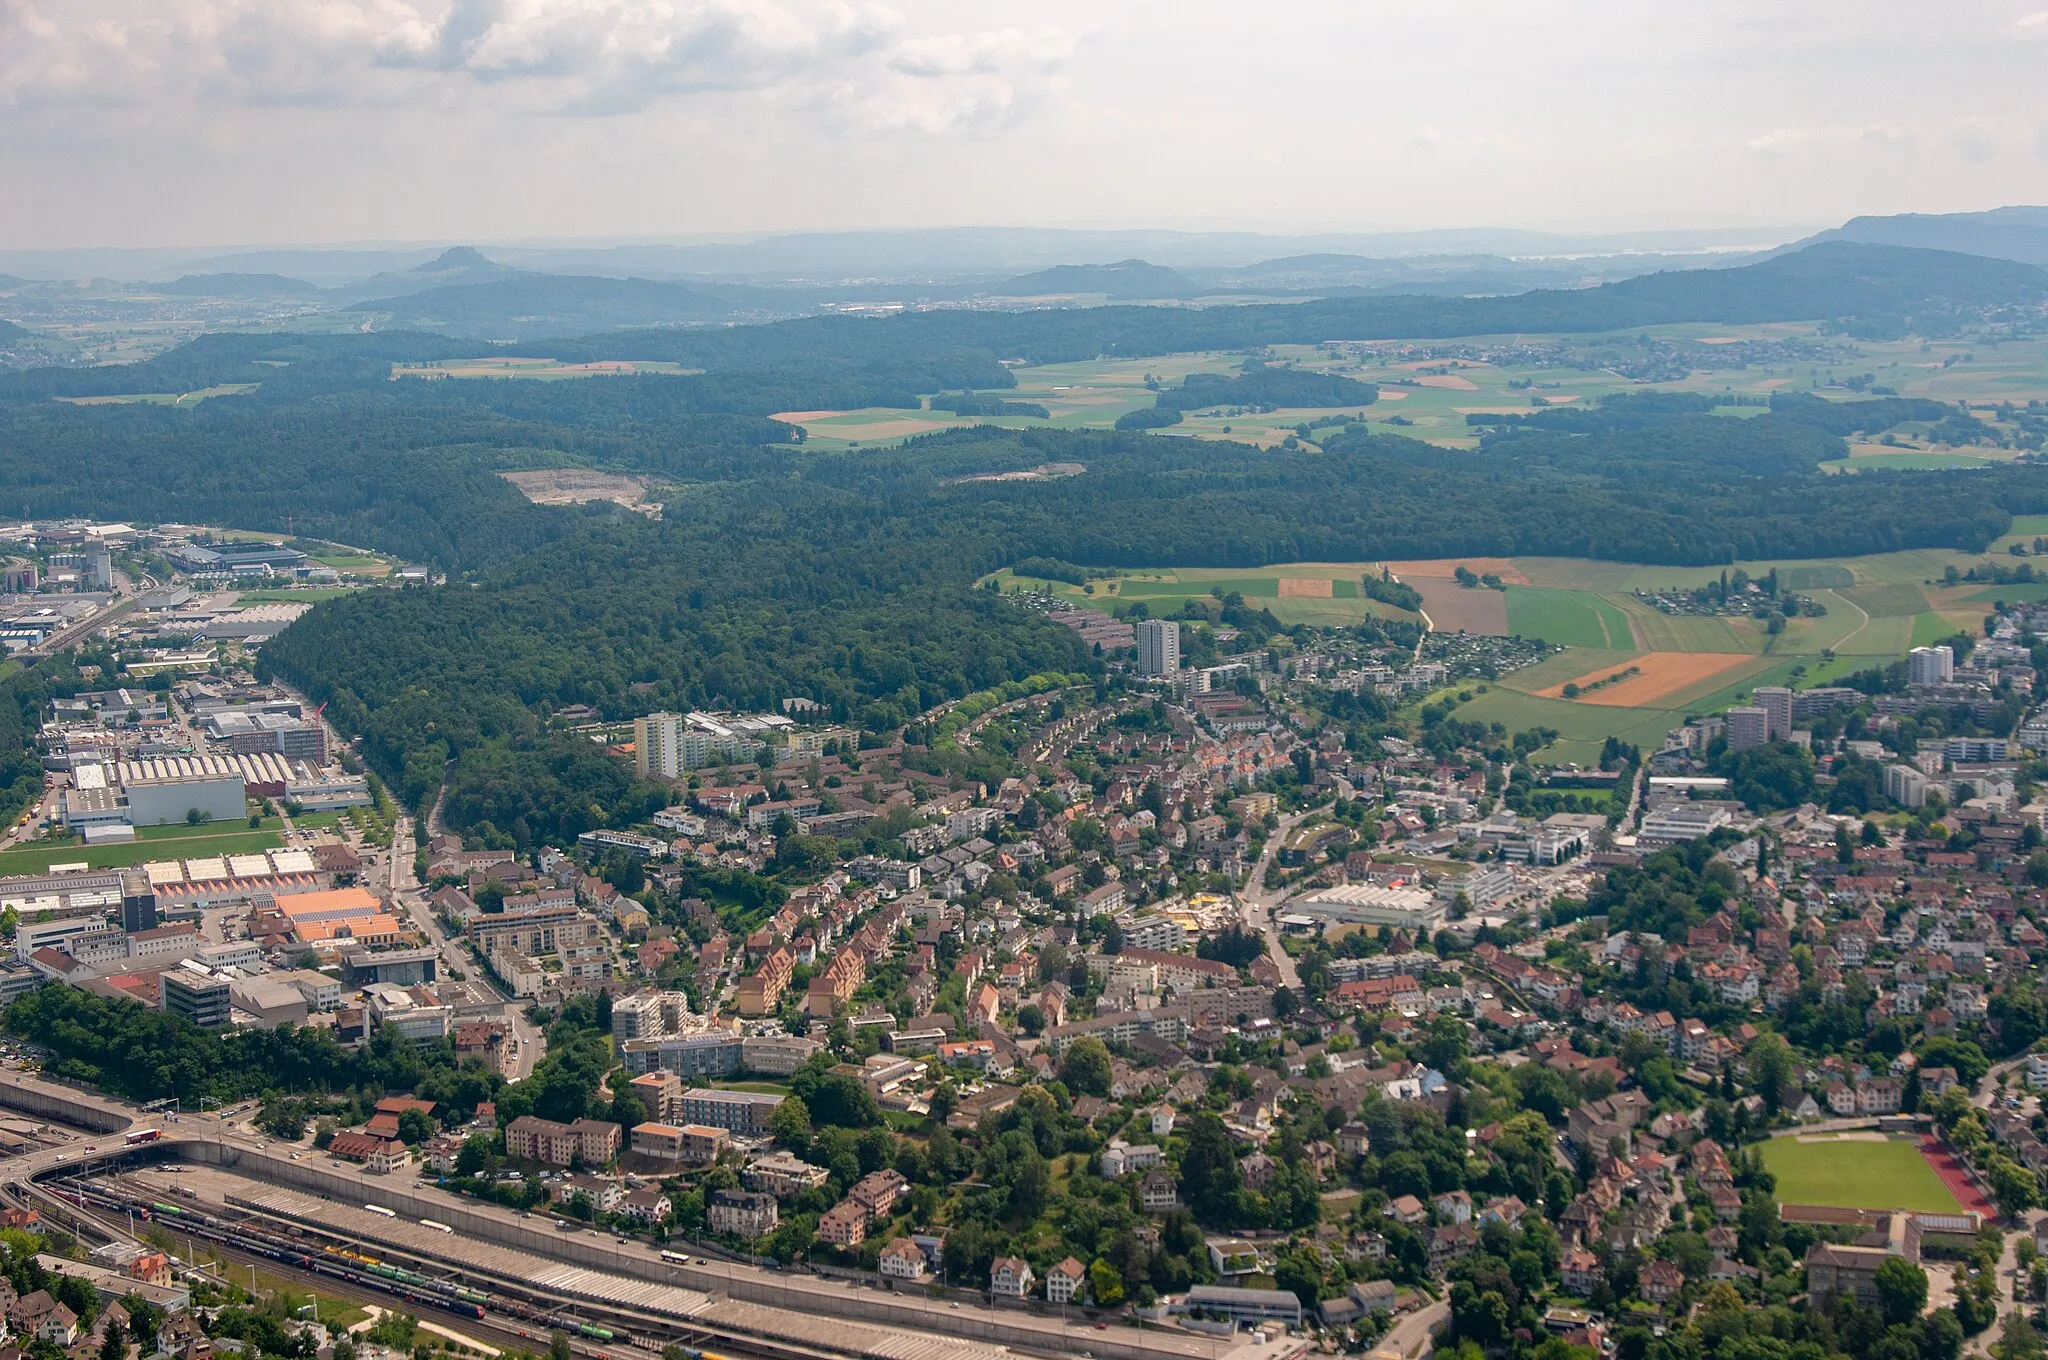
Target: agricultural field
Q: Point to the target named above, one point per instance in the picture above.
(1320, 594)
(1571, 618)
(506, 366)
(1429, 398)
(1856, 1173)
(1877, 608)
(186, 399)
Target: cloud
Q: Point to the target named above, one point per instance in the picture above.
(548, 56)
(2032, 26)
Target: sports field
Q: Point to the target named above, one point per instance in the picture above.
(1856, 1173)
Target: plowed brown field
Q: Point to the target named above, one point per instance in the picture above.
(1659, 674)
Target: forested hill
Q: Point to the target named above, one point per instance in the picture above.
(847, 578)
(1124, 279)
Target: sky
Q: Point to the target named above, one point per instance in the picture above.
(217, 122)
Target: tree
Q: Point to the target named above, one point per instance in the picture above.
(1105, 1284)
(114, 1344)
(558, 1346)
(1774, 1068)
(1209, 1175)
(791, 1125)
(415, 1127)
(1941, 1336)
(1085, 1067)
(475, 1154)
(1901, 1290)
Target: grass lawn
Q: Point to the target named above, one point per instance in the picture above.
(1856, 1175)
(305, 595)
(185, 831)
(37, 859)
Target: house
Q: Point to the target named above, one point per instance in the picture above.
(1067, 1282)
(1580, 1271)
(1660, 1281)
(902, 1260)
(1233, 1256)
(1406, 1209)
(1449, 1243)
(603, 1193)
(42, 1317)
(1009, 1277)
(1374, 1296)
(878, 1191)
(646, 1205)
(1157, 1193)
(750, 1214)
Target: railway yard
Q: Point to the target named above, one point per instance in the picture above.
(485, 1274)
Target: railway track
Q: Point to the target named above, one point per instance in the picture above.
(521, 1314)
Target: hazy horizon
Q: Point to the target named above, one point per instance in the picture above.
(232, 124)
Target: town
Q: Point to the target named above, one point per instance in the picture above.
(1178, 1008)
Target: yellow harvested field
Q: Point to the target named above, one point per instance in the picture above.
(1509, 573)
(1658, 675)
(1448, 380)
(1298, 588)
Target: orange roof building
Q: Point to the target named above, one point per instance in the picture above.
(353, 914)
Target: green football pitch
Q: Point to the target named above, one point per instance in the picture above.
(1856, 1174)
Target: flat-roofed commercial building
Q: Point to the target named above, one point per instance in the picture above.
(1366, 904)
(161, 792)
(196, 994)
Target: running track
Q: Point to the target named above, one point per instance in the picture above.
(1955, 1178)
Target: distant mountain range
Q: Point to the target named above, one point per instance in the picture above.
(2001, 234)
(1122, 280)
(1911, 265)
(237, 285)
